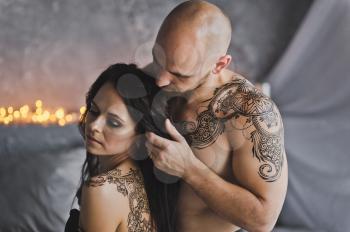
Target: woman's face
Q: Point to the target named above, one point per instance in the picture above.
(109, 129)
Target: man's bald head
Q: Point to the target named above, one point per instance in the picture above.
(191, 46)
(203, 22)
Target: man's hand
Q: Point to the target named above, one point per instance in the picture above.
(173, 157)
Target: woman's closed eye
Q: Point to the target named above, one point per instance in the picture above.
(113, 123)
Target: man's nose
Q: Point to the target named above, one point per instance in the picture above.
(163, 79)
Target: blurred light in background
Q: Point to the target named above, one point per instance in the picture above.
(38, 115)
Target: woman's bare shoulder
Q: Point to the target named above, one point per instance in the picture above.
(115, 188)
(123, 180)
(102, 205)
(123, 193)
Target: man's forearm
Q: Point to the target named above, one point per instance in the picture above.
(232, 202)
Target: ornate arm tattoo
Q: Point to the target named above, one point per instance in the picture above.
(131, 185)
(248, 110)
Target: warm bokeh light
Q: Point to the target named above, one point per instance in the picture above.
(38, 103)
(82, 109)
(38, 115)
(10, 110)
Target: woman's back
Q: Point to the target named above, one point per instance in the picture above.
(116, 200)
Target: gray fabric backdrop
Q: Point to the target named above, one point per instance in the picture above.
(311, 86)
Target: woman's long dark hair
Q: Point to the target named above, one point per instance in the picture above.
(137, 91)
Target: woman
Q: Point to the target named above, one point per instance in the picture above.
(119, 190)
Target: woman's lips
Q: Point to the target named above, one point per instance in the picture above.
(91, 139)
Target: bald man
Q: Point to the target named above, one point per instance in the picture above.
(227, 137)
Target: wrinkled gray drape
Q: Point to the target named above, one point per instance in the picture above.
(311, 86)
(39, 174)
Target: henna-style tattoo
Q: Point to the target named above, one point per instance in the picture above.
(236, 102)
(206, 132)
(130, 185)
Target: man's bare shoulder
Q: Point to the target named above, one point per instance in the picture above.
(253, 125)
(233, 99)
(239, 96)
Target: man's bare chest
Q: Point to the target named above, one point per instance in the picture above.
(205, 133)
(202, 121)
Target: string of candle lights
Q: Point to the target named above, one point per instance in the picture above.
(38, 115)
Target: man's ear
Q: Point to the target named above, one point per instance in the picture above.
(222, 63)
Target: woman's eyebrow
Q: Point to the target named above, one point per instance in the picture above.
(109, 113)
(116, 116)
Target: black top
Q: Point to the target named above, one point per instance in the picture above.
(72, 225)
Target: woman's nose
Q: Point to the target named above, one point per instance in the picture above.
(97, 125)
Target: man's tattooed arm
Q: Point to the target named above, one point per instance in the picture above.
(246, 109)
(131, 186)
(238, 105)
